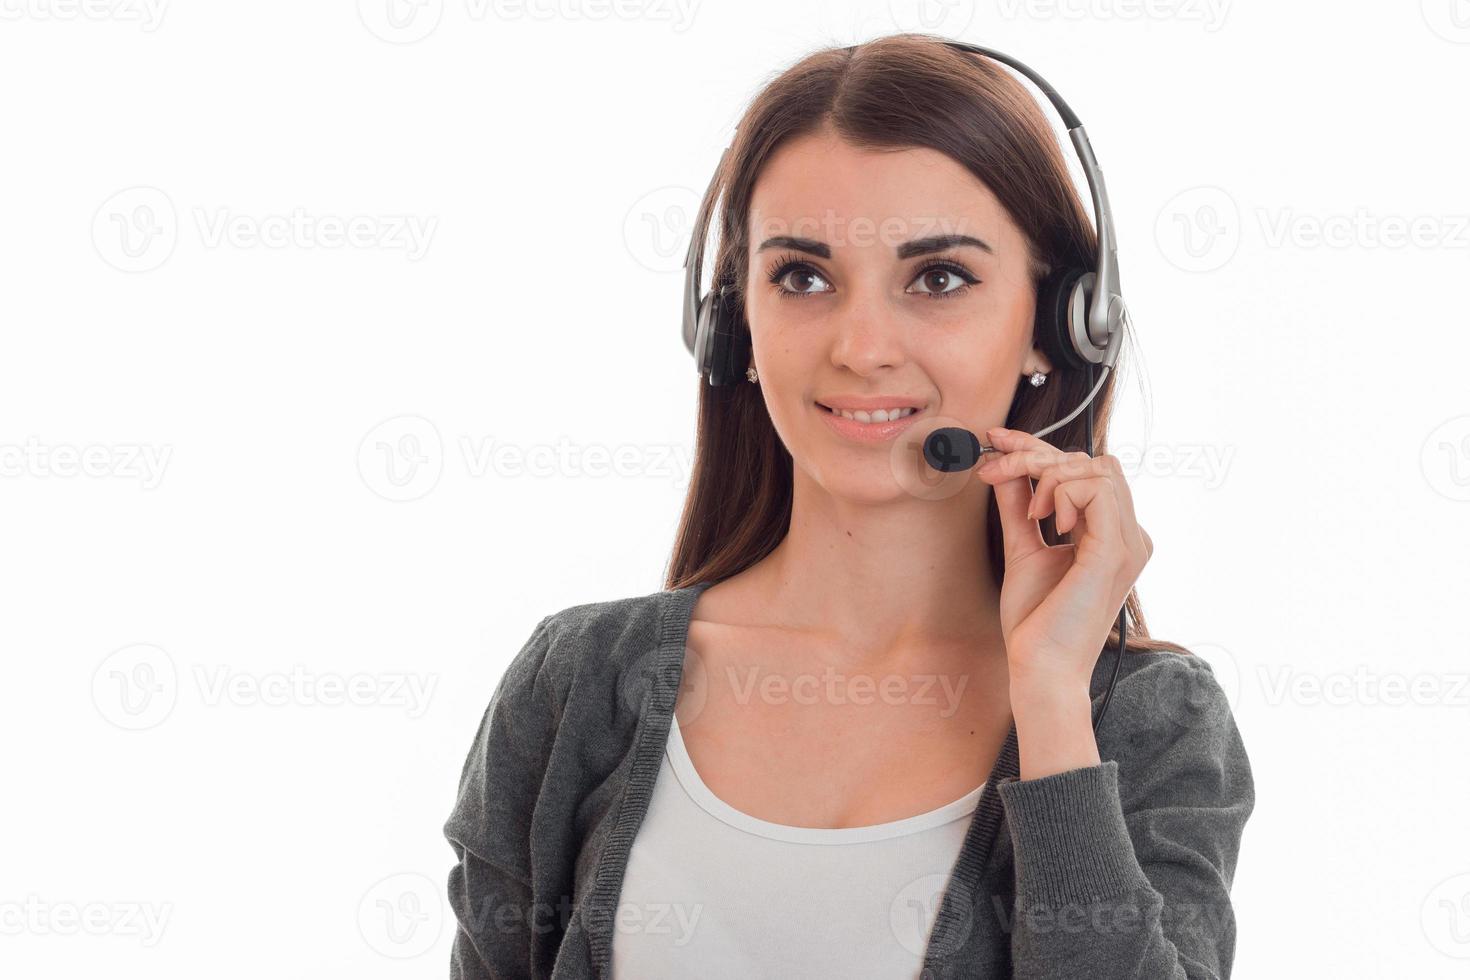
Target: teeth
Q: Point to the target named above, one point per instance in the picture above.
(880, 415)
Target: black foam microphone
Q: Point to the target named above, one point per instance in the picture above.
(952, 449)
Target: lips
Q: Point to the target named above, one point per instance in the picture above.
(865, 432)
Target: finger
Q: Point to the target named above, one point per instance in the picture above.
(1017, 453)
(1050, 466)
(1021, 534)
(1066, 466)
(1142, 545)
(1090, 507)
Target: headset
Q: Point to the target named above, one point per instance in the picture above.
(1080, 315)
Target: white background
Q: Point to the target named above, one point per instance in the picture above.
(234, 457)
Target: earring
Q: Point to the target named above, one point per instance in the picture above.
(750, 374)
(1038, 379)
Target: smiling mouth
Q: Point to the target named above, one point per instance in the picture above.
(873, 417)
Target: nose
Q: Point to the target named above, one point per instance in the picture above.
(869, 334)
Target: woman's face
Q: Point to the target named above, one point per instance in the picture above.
(846, 300)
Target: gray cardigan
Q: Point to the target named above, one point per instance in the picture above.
(1117, 870)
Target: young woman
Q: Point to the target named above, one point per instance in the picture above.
(853, 735)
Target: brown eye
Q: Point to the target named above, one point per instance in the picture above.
(797, 279)
(944, 279)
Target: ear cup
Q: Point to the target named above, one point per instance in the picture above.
(722, 342)
(1054, 311)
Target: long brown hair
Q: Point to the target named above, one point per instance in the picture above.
(902, 90)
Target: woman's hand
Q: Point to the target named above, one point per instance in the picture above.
(1058, 602)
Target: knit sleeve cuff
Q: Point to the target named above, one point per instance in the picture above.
(1071, 842)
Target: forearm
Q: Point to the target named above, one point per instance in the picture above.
(1104, 894)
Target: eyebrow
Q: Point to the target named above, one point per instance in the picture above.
(919, 246)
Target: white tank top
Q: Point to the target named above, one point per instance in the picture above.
(714, 893)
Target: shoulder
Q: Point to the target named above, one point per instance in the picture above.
(1163, 685)
(589, 646)
(1171, 720)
